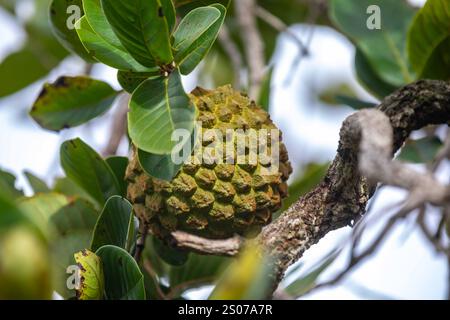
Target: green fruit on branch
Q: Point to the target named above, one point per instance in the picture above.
(217, 199)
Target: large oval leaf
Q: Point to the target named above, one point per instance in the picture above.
(71, 101)
(385, 48)
(105, 52)
(119, 166)
(196, 34)
(114, 224)
(97, 20)
(142, 29)
(131, 80)
(157, 108)
(86, 168)
(63, 15)
(429, 40)
(123, 278)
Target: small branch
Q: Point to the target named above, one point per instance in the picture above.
(226, 247)
(118, 126)
(253, 43)
(233, 53)
(280, 26)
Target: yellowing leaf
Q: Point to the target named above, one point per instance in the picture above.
(92, 282)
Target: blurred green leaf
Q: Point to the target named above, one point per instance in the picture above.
(8, 185)
(308, 281)
(119, 166)
(170, 255)
(86, 168)
(429, 41)
(246, 278)
(71, 101)
(123, 278)
(40, 208)
(421, 150)
(73, 226)
(37, 184)
(113, 225)
(105, 52)
(384, 48)
(196, 34)
(143, 30)
(266, 89)
(158, 107)
(198, 270)
(69, 188)
(311, 177)
(369, 79)
(355, 103)
(92, 282)
(63, 15)
(131, 80)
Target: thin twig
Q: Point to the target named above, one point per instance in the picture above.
(253, 44)
(232, 50)
(118, 126)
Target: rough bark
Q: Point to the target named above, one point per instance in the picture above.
(342, 196)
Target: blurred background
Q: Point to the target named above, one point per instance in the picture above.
(302, 88)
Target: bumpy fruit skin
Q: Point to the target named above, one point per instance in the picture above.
(213, 200)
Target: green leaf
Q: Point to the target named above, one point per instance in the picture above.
(123, 278)
(421, 150)
(69, 188)
(355, 103)
(92, 284)
(170, 255)
(429, 40)
(369, 79)
(300, 286)
(119, 166)
(71, 101)
(105, 52)
(158, 107)
(196, 34)
(385, 48)
(63, 15)
(73, 224)
(97, 20)
(131, 80)
(169, 12)
(40, 208)
(266, 88)
(113, 225)
(86, 168)
(198, 270)
(246, 278)
(8, 185)
(36, 183)
(163, 166)
(142, 29)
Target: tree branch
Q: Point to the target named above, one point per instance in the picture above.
(254, 45)
(368, 140)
